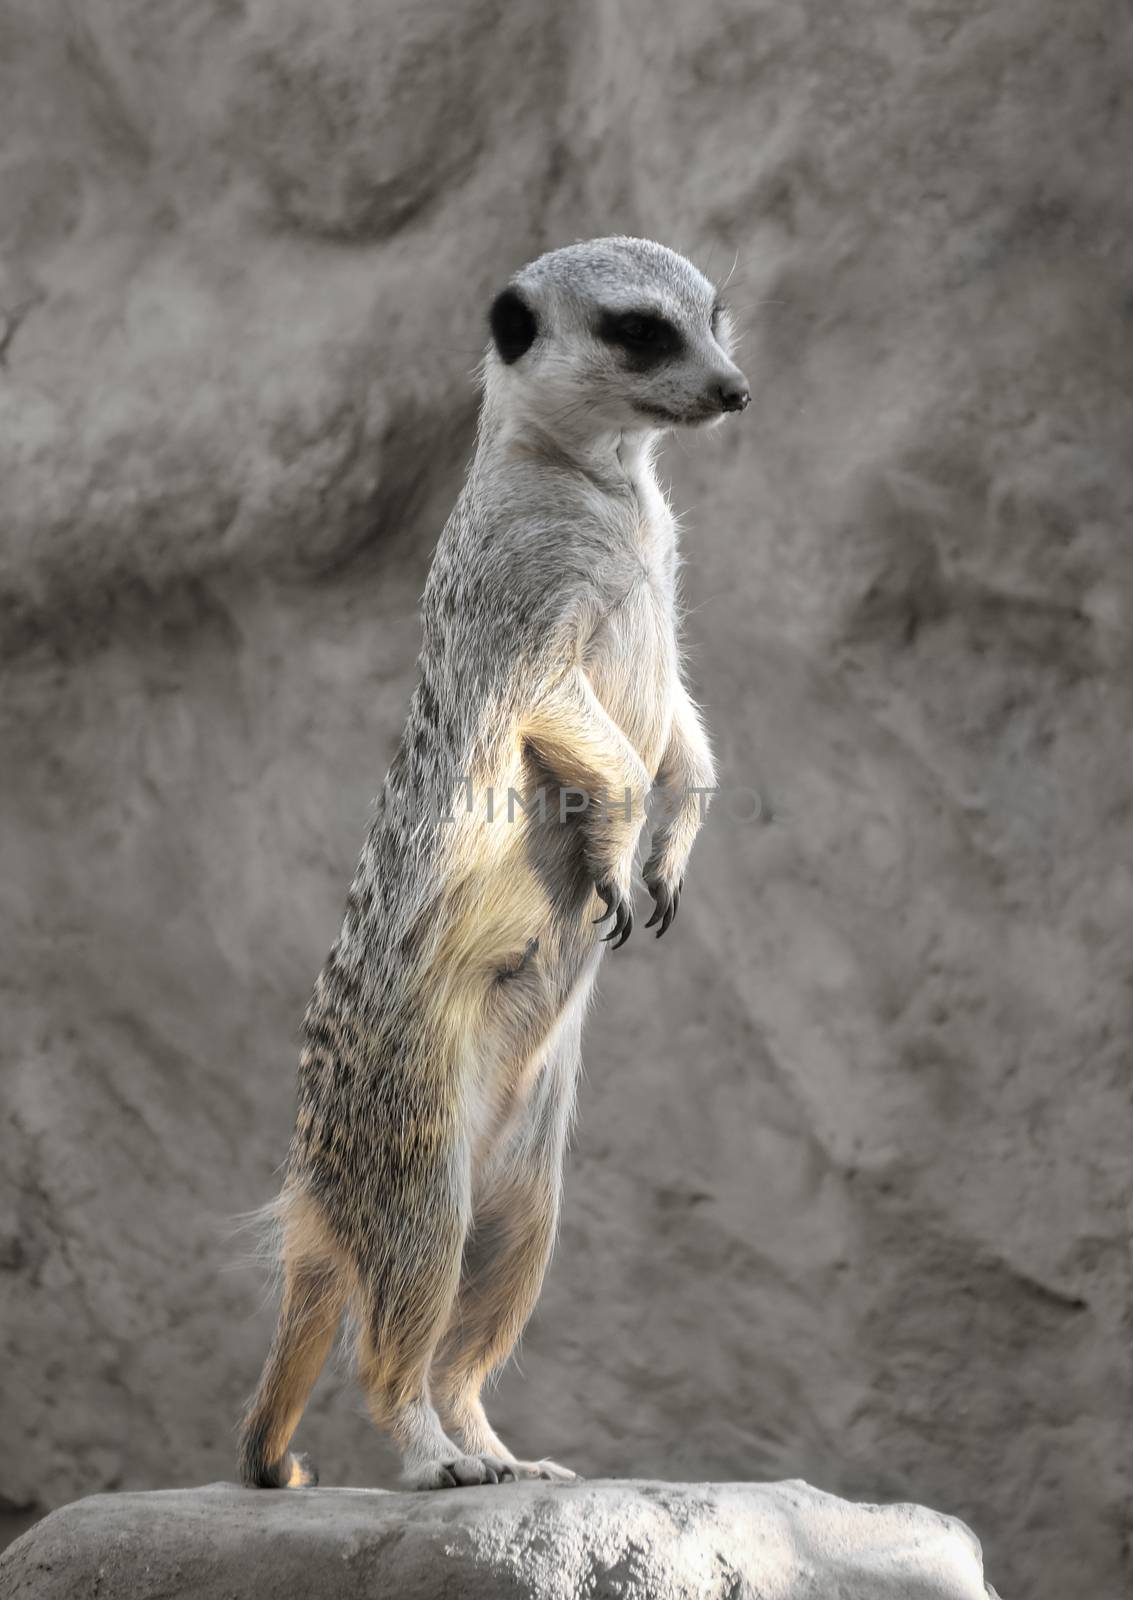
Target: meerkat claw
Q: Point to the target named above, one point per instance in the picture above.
(620, 908)
(665, 903)
(611, 895)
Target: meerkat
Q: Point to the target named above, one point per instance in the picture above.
(442, 1043)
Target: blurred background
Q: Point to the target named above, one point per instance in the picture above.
(850, 1193)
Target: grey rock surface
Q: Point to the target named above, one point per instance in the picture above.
(594, 1541)
(850, 1196)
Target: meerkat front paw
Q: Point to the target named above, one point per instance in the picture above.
(459, 1472)
(619, 905)
(666, 899)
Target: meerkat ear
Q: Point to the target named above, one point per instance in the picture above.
(514, 328)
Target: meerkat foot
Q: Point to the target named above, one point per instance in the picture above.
(459, 1472)
(546, 1469)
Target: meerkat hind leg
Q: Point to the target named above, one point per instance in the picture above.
(504, 1273)
(506, 1256)
(498, 1293)
(409, 1305)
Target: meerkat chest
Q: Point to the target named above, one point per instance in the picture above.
(631, 656)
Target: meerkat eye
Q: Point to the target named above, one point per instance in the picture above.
(643, 335)
(639, 330)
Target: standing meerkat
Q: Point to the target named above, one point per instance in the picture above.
(441, 1049)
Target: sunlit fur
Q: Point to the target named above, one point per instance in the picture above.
(441, 1050)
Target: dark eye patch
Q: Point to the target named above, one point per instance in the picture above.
(647, 339)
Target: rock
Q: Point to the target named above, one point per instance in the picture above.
(601, 1541)
(850, 1190)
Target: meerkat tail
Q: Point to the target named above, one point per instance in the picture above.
(315, 1288)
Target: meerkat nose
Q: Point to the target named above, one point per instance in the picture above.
(733, 396)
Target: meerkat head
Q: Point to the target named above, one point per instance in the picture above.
(614, 334)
